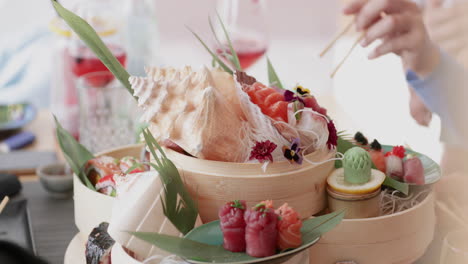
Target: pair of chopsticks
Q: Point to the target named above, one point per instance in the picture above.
(454, 211)
(4, 203)
(335, 39)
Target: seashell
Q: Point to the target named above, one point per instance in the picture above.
(199, 111)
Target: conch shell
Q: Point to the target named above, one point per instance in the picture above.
(199, 111)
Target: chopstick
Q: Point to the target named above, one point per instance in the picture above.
(4, 203)
(347, 54)
(335, 39)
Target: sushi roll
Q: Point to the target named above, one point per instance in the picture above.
(100, 167)
(232, 223)
(128, 162)
(413, 171)
(361, 139)
(268, 204)
(99, 245)
(289, 228)
(261, 231)
(377, 156)
(106, 185)
(394, 162)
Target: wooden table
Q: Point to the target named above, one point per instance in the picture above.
(52, 220)
(43, 127)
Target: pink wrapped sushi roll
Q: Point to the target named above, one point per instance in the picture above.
(413, 171)
(232, 223)
(261, 231)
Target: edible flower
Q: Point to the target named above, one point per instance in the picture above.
(290, 96)
(302, 91)
(293, 153)
(332, 135)
(262, 151)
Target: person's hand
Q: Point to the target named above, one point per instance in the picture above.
(448, 27)
(400, 27)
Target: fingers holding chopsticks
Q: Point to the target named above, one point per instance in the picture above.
(368, 12)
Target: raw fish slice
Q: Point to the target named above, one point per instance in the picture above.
(268, 204)
(414, 171)
(394, 162)
(197, 111)
(261, 232)
(289, 228)
(378, 158)
(259, 94)
(232, 223)
(313, 131)
(259, 126)
(394, 167)
(274, 98)
(311, 102)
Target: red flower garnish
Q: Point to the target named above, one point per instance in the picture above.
(398, 151)
(262, 151)
(332, 135)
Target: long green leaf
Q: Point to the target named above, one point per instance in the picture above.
(397, 185)
(189, 249)
(213, 55)
(207, 239)
(75, 153)
(235, 59)
(181, 212)
(89, 36)
(273, 78)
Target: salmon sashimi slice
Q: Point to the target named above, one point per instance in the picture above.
(273, 98)
(277, 111)
(289, 228)
(270, 101)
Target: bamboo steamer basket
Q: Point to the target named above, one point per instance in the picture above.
(213, 183)
(400, 238)
(92, 208)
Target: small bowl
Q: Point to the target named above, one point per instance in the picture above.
(56, 180)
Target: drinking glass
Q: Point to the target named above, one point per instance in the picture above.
(107, 112)
(455, 248)
(245, 22)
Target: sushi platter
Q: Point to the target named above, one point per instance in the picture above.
(235, 170)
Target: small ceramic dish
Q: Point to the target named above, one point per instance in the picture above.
(432, 171)
(211, 234)
(56, 179)
(16, 116)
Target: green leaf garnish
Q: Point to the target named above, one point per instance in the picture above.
(205, 242)
(237, 204)
(76, 154)
(397, 185)
(89, 36)
(213, 55)
(234, 58)
(273, 78)
(178, 205)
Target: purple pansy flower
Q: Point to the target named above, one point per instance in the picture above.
(293, 153)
